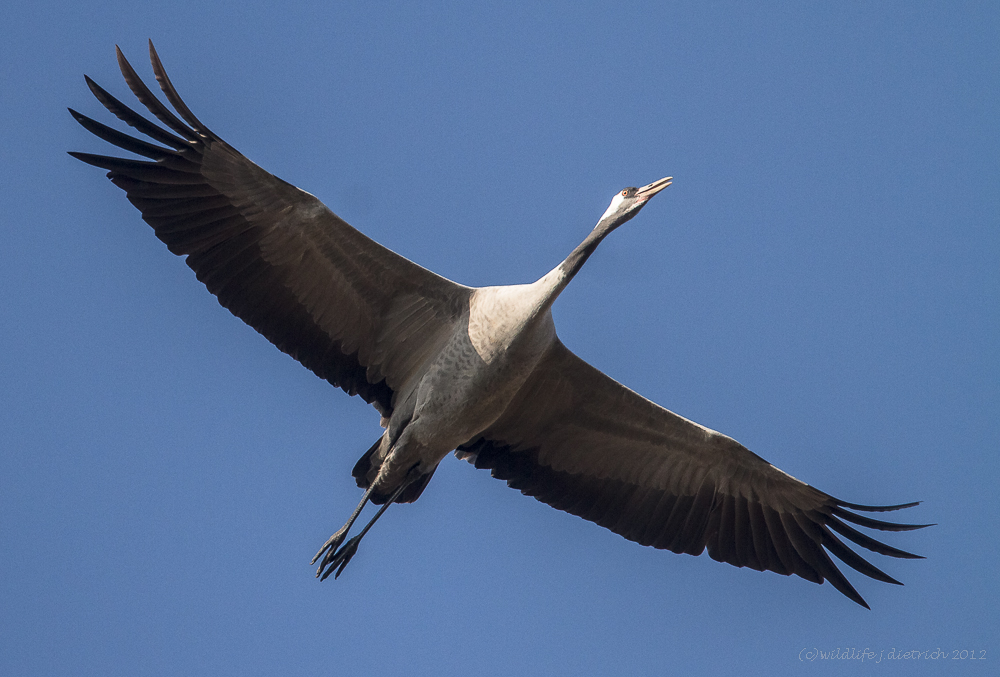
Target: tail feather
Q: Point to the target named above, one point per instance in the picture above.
(412, 491)
(364, 465)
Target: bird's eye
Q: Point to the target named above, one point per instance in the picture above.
(625, 193)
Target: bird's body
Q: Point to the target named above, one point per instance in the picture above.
(479, 371)
(492, 348)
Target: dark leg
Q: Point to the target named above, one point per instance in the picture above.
(339, 559)
(334, 541)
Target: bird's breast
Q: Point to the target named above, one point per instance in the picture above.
(479, 370)
(509, 323)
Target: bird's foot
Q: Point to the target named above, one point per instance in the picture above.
(339, 559)
(330, 547)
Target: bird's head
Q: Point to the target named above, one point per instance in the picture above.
(624, 206)
(628, 202)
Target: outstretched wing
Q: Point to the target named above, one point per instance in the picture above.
(582, 442)
(352, 311)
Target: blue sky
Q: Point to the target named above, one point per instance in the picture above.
(821, 282)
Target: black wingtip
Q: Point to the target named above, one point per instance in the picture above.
(873, 523)
(89, 158)
(877, 508)
(168, 89)
(123, 63)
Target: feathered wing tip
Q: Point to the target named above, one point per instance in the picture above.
(172, 96)
(189, 132)
(149, 100)
(835, 546)
(737, 530)
(136, 121)
(880, 508)
(177, 164)
(260, 245)
(839, 506)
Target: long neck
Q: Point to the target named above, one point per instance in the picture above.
(556, 280)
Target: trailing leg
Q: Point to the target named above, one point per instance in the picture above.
(339, 559)
(334, 541)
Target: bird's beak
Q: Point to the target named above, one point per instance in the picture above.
(652, 189)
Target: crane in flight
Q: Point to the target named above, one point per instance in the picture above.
(477, 371)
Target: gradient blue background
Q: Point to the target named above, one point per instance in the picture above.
(821, 282)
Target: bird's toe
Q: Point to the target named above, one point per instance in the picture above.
(339, 560)
(330, 547)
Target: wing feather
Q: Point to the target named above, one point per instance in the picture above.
(352, 311)
(581, 442)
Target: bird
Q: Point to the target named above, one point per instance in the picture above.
(479, 372)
